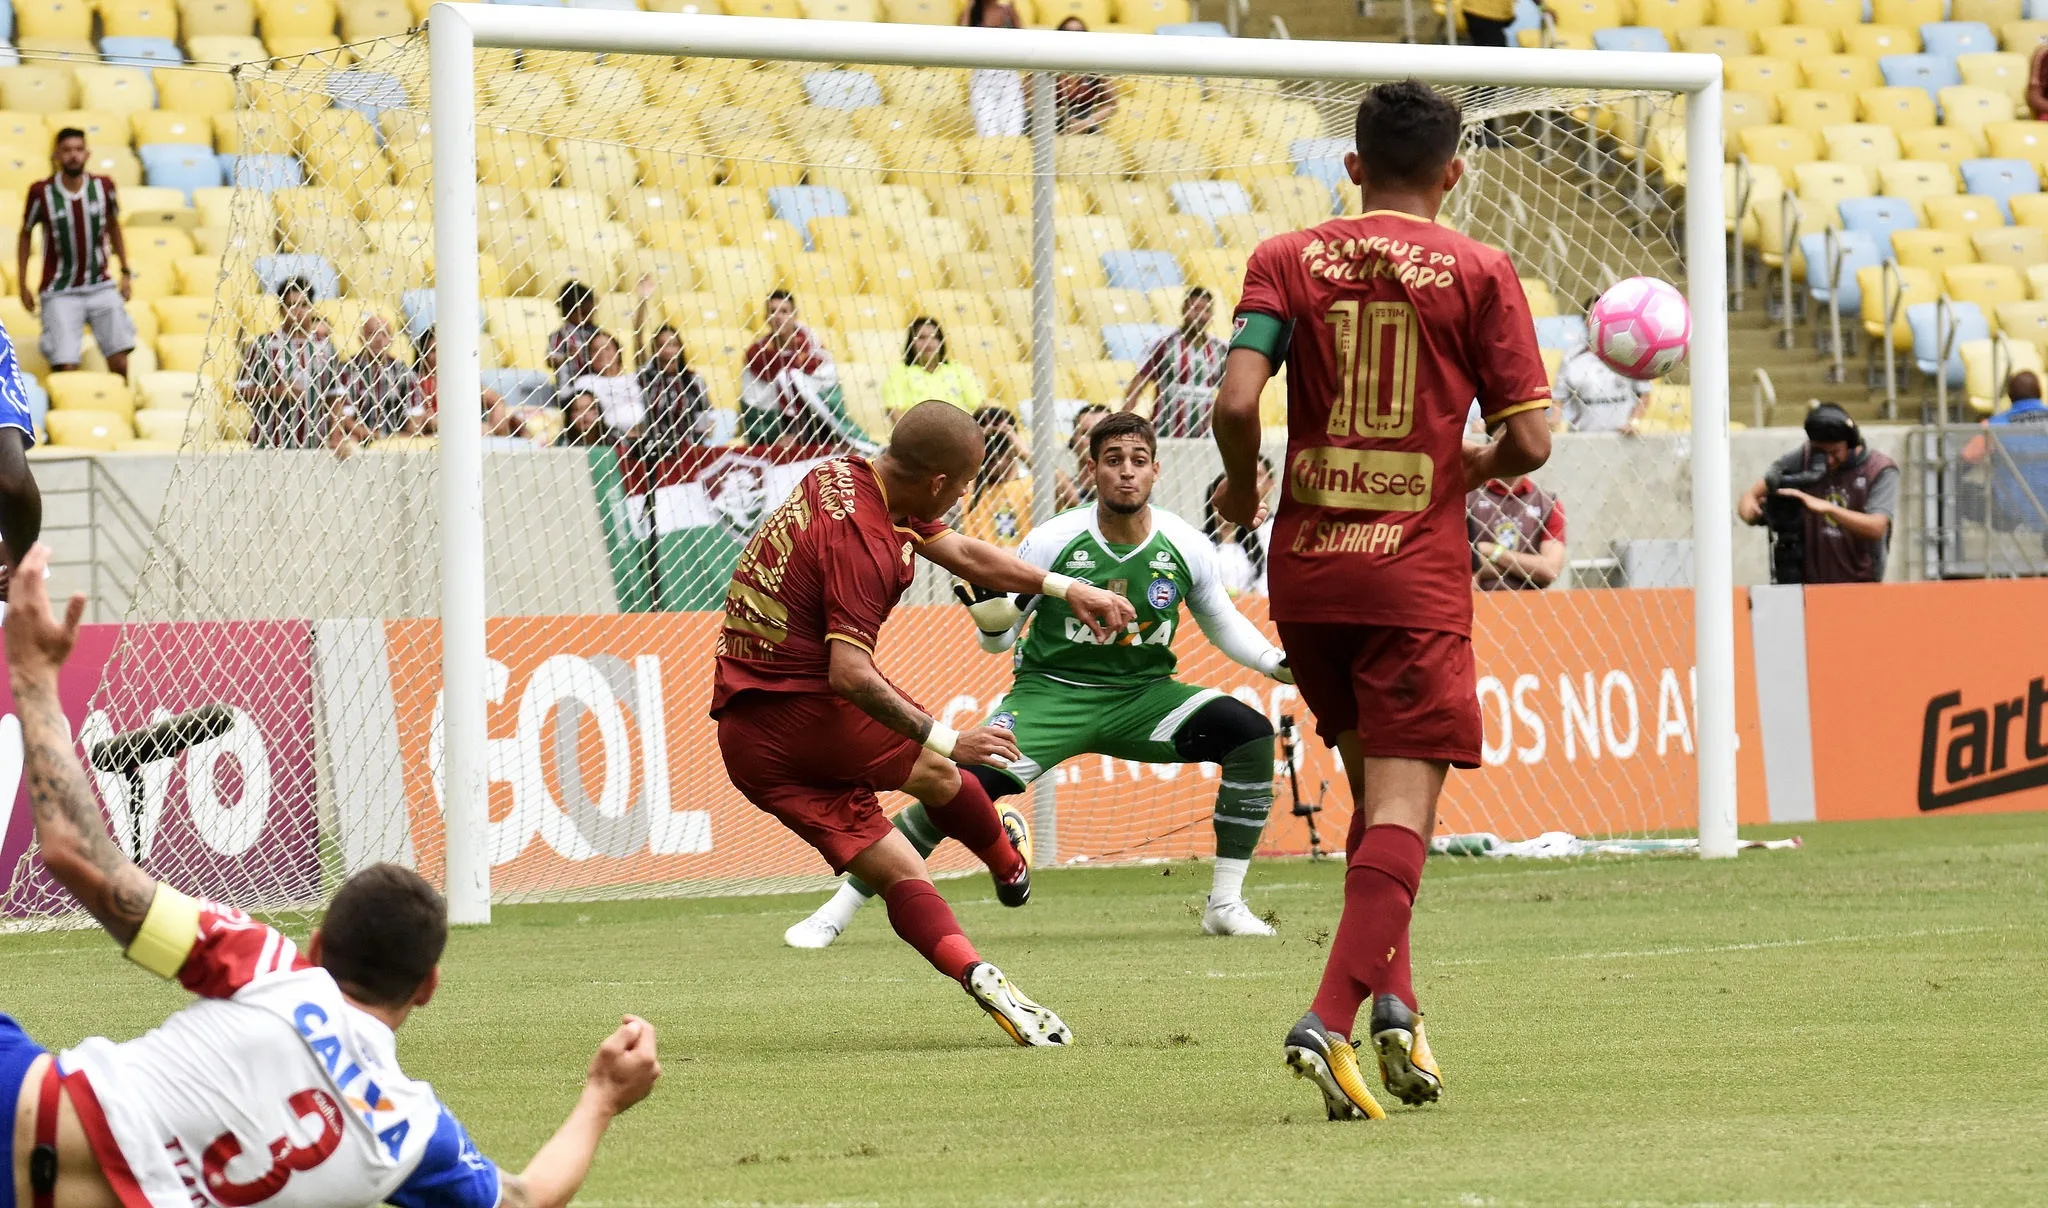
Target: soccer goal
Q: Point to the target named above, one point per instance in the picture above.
(491, 659)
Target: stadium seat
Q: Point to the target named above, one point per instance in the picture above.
(799, 205)
(180, 166)
(1988, 364)
(1901, 108)
(263, 173)
(1815, 108)
(1797, 43)
(1986, 285)
(2000, 72)
(1931, 333)
(1102, 307)
(2018, 140)
(1910, 285)
(1210, 199)
(316, 270)
(1878, 217)
(1142, 270)
(1840, 73)
(1915, 13)
(1130, 341)
(1952, 38)
(2027, 321)
(1965, 107)
(1562, 332)
(1671, 16)
(1634, 38)
(1963, 213)
(1782, 147)
(842, 89)
(1932, 250)
(1823, 186)
(37, 89)
(1991, 12)
(97, 431)
(2020, 37)
(1705, 40)
(1930, 73)
(143, 207)
(1943, 146)
(1878, 40)
(1855, 250)
(1865, 144)
(141, 51)
(2015, 246)
(2000, 179)
(1827, 14)
(170, 126)
(52, 19)
(1739, 111)
(2037, 282)
(1916, 180)
(362, 20)
(84, 390)
(1746, 73)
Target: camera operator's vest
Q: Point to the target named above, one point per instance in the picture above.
(1832, 555)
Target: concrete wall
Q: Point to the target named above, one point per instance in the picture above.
(266, 534)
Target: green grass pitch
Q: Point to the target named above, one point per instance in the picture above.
(1861, 1022)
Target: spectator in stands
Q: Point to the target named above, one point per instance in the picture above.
(2037, 83)
(374, 390)
(583, 423)
(423, 417)
(288, 375)
(81, 222)
(789, 387)
(1848, 517)
(998, 100)
(998, 510)
(678, 403)
(618, 394)
(1184, 369)
(1593, 398)
(927, 373)
(502, 427)
(1070, 491)
(1240, 553)
(569, 344)
(1083, 102)
(2025, 411)
(1517, 533)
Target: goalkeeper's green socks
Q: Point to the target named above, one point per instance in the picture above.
(1242, 801)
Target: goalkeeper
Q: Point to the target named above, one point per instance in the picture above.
(1073, 696)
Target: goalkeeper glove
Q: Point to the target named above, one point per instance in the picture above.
(993, 611)
(1274, 664)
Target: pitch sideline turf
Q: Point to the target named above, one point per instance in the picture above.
(1856, 1023)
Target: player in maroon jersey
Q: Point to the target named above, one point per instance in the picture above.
(1390, 325)
(811, 730)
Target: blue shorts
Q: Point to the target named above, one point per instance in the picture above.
(14, 413)
(17, 1053)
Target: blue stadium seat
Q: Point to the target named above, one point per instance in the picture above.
(318, 271)
(798, 204)
(1969, 325)
(417, 306)
(1562, 332)
(1630, 37)
(1329, 171)
(1878, 217)
(1130, 341)
(1210, 199)
(1951, 38)
(1302, 150)
(1930, 72)
(2000, 179)
(1528, 15)
(842, 89)
(38, 398)
(264, 173)
(1142, 270)
(1859, 250)
(180, 166)
(141, 52)
(1194, 29)
(521, 387)
(369, 93)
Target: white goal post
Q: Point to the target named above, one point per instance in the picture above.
(457, 31)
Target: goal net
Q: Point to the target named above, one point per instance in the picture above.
(649, 398)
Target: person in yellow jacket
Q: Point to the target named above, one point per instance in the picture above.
(926, 373)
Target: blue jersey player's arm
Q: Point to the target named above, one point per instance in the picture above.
(21, 503)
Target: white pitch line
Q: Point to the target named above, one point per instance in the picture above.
(1752, 946)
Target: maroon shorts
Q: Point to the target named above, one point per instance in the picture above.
(816, 763)
(1410, 693)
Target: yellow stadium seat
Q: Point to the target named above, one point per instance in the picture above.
(30, 130)
(1749, 14)
(1246, 231)
(1964, 107)
(764, 8)
(1822, 187)
(1782, 147)
(1827, 14)
(2020, 37)
(1918, 181)
(1173, 233)
(298, 19)
(985, 271)
(729, 209)
(1988, 364)
(1090, 235)
(143, 207)
(1717, 40)
(1219, 270)
(1876, 41)
(2027, 140)
(1932, 250)
(1105, 307)
(183, 316)
(1991, 12)
(1170, 159)
(2003, 73)
(679, 170)
(1778, 231)
(1901, 108)
(2037, 282)
(974, 204)
(1913, 13)
(1797, 43)
(1913, 286)
(1759, 73)
(224, 48)
(180, 352)
(37, 89)
(1840, 73)
(362, 20)
(139, 19)
(2015, 246)
(996, 157)
(2026, 321)
(1299, 200)
(842, 10)
(2029, 209)
(1864, 143)
(744, 273)
(1963, 214)
(762, 164)
(52, 19)
(920, 12)
(84, 390)
(1987, 285)
(1094, 381)
(76, 50)
(1815, 108)
(1671, 16)
(1585, 16)
(1144, 16)
(1935, 143)
(209, 18)
(888, 125)
(170, 126)
(97, 431)
(1739, 112)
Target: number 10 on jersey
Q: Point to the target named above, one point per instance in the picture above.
(1376, 390)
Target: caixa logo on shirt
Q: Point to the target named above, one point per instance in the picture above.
(1996, 748)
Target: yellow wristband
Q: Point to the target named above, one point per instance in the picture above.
(167, 933)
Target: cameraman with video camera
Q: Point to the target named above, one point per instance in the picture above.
(1829, 504)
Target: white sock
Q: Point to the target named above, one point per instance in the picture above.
(839, 911)
(1229, 885)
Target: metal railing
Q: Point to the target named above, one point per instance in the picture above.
(106, 537)
(1762, 397)
(1831, 245)
(1745, 186)
(1983, 502)
(1788, 223)
(1944, 345)
(1894, 298)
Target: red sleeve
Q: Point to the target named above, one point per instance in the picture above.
(1503, 337)
(1553, 524)
(233, 950)
(1265, 279)
(859, 585)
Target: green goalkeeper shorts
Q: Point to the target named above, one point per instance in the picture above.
(1054, 722)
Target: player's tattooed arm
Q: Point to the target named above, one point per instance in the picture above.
(855, 678)
(70, 833)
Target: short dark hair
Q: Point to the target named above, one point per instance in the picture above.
(574, 295)
(781, 295)
(383, 935)
(1123, 423)
(910, 335)
(1197, 292)
(2024, 384)
(296, 285)
(67, 132)
(1406, 132)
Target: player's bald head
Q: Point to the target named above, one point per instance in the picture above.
(936, 438)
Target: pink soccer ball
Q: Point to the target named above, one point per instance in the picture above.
(1640, 328)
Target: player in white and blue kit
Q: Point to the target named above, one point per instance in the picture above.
(280, 1086)
(21, 504)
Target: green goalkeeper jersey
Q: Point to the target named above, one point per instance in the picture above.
(1173, 566)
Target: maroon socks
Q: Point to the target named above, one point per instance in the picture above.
(926, 923)
(1370, 952)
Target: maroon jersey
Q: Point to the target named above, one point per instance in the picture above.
(75, 227)
(826, 566)
(1397, 325)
